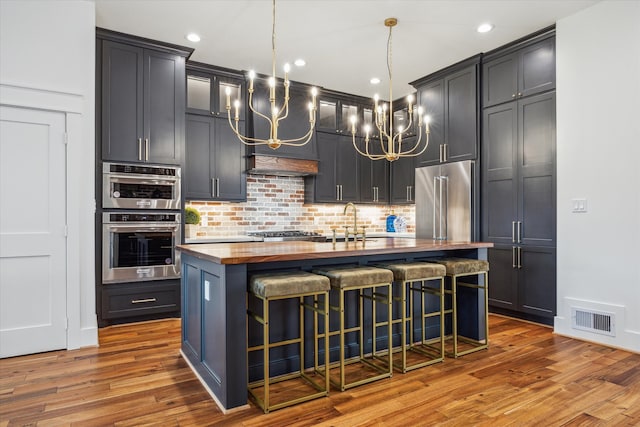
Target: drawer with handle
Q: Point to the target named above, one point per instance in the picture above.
(127, 300)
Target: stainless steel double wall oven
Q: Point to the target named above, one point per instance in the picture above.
(141, 222)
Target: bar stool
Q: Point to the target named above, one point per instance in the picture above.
(361, 279)
(414, 277)
(270, 287)
(462, 267)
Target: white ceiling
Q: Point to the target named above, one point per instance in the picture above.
(343, 41)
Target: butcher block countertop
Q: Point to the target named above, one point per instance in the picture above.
(262, 252)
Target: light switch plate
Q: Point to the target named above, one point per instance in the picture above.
(579, 205)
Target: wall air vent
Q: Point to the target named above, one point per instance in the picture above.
(599, 322)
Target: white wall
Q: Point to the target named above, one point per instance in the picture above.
(598, 143)
(50, 45)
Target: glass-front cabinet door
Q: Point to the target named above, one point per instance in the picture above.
(327, 115)
(207, 92)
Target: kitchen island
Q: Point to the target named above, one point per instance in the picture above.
(214, 284)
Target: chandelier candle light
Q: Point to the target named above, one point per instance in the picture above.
(393, 148)
(277, 113)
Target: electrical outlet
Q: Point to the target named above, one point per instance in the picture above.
(579, 205)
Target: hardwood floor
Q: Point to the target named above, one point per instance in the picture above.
(136, 377)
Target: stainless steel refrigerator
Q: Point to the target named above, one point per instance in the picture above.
(445, 201)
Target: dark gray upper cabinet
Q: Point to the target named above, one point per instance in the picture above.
(518, 187)
(526, 71)
(450, 98)
(373, 179)
(215, 160)
(337, 178)
(402, 181)
(296, 125)
(142, 104)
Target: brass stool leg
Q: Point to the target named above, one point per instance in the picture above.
(265, 352)
(454, 306)
(442, 317)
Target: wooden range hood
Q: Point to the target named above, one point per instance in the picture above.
(280, 166)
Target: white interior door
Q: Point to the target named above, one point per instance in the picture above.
(33, 264)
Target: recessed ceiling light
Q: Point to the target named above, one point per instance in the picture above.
(485, 28)
(374, 81)
(193, 37)
(300, 62)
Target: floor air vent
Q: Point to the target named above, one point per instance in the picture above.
(599, 322)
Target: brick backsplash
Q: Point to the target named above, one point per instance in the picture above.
(277, 203)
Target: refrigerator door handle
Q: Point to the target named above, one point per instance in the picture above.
(436, 231)
(444, 214)
(519, 231)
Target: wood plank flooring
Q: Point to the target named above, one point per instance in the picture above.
(528, 376)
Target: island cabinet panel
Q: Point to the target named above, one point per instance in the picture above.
(216, 296)
(450, 98)
(192, 319)
(519, 187)
(142, 104)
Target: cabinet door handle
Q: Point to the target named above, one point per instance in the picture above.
(519, 257)
(142, 301)
(217, 187)
(140, 149)
(519, 229)
(146, 149)
(213, 187)
(513, 257)
(513, 231)
(440, 154)
(445, 151)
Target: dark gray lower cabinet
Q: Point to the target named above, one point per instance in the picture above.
(216, 160)
(129, 300)
(523, 279)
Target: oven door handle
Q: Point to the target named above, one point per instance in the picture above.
(140, 229)
(143, 179)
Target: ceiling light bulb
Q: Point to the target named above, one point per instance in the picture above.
(193, 37)
(374, 81)
(485, 28)
(300, 62)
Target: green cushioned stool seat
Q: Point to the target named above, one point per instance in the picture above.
(346, 277)
(410, 271)
(288, 283)
(459, 266)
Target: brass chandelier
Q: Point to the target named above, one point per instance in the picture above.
(391, 139)
(277, 114)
